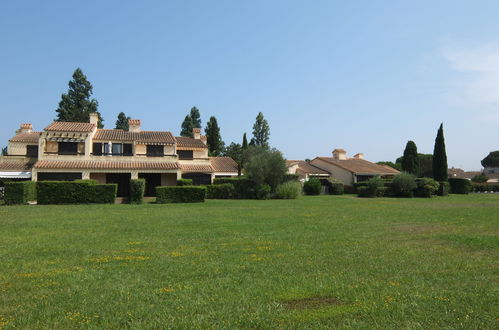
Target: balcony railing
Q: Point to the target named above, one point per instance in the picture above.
(64, 153)
(112, 154)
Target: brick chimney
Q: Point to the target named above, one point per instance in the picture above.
(360, 155)
(196, 133)
(134, 125)
(25, 128)
(339, 154)
(93, 118)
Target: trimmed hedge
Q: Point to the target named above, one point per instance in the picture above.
(87, 181)
(443, 189)
(459, 186)
(404, 184)
(220, 191)
(180, 194)
(137, 188)
(485, 187)
(288, 190)
(332, 186)
(263, 191)
(184, 182)
(70, 192)
(291, 177)
(426, 187)
(312, 187)
(372, 188)
(19, 192)
(244, 188)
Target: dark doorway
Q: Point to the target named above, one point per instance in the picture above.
(123, 182)
(61, 176)
(32, 151)
(198, 178)
(152, 181)
(68, 148)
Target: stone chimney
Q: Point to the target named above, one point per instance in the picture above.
(25, 128)
(339, 154)
(134, 125)
(196, 133)
(360, 155)
(94, 118)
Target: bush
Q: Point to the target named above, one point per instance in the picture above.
(263, 192)
(288, 190)
(220, 191)
(244, 188)
(87, 181)
(426, 187)
(180, 194)
(485, 187)
(403, 185)
(265, 166)
(291, 177)
(137, 189)
(19, 192)
(480, 178)
(349, 189)
(332, 186)
(374, 187)
(459, 186)
(312, 187)
(67, 192)
(443, 189)
(184, 182)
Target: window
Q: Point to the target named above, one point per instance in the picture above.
(68, 148)
(185, 154)
(97, 149)
(155, 151)
(127, 149)
(32, 151)
(117, 149)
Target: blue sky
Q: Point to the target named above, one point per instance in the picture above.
(366, 76)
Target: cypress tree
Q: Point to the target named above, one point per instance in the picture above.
(261, 132)
(440, 167)
(195, 117)
(186, 127)
(410, 160)
(213, 138)
(122, 121)
(76, 105)
(245, 141)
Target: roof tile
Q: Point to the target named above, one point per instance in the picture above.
(105, 165)
(224, 164)
(66, 126)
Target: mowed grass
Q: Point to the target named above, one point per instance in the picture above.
(315, 262)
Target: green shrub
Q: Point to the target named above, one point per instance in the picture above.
(288, 190)
(332, 186)
(485, 187)
(291, 177)
(19, 192)
(459, 186)
(137, 189)
(220, 191)
(263, 191)
(67, 192)
(426, 187)
(180, 194)
(244, 188)
(480, 178)
(87, 181)
(349, 189)
(184, 182)
(312, 187)
(404, 184)
(443, 189)
(374, 187)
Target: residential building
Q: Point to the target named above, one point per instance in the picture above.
(305, 170)
(73, 150)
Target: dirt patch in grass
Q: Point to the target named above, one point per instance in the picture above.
(311, 302)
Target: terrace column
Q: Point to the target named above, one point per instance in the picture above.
(135, 175)
(85, 175)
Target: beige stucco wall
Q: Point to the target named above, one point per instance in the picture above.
(169, 150)
(81, 147)
(200, 154)
(336, 172)
(17, 148)
(140, 149)
(51, 146)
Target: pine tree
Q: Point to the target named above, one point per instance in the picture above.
(213, 138)
(261, 132)
(187, 127)
(122, 122)
(76, 105)
(245, 141)
(195, 117)
(440, 166)
(410, 160)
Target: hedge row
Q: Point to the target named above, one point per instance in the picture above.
(184, 182)
(403, 185)
(67, 192)
(180, 194)
(20, 192)
(485, 187)
(220, 191)
(459, 186)
(137, 189)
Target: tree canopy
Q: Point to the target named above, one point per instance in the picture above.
(122, 121)
(261, 132)
(440, 167)
(213, 137)
(235, 151)
(265, 166)
(410, 161)
(76, 104)
(192, 120)
(492, 159)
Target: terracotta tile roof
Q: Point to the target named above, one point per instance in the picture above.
(135, 122)
(196, 168)
(460, 173)
(26, 137)
(306, 167)
(340, 151)
(66, 126)
(18, 165)
(143, 136)
(360, 166)
(187, 142)
(223, 164)
(26, 126)
(105, 165)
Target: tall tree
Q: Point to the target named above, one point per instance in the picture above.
(76, 105)
(440, 166)
(261, 132)
(187, 127)
(410, 161)
(195, 117)
(122, 121)
(213, 138)
(4, 151)
(235, 151)
(245, 141)
(492, 159)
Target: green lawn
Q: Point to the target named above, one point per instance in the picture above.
(315, 262)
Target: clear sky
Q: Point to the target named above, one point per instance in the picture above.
(365, 76)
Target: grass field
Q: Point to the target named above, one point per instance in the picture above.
(315, 262)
